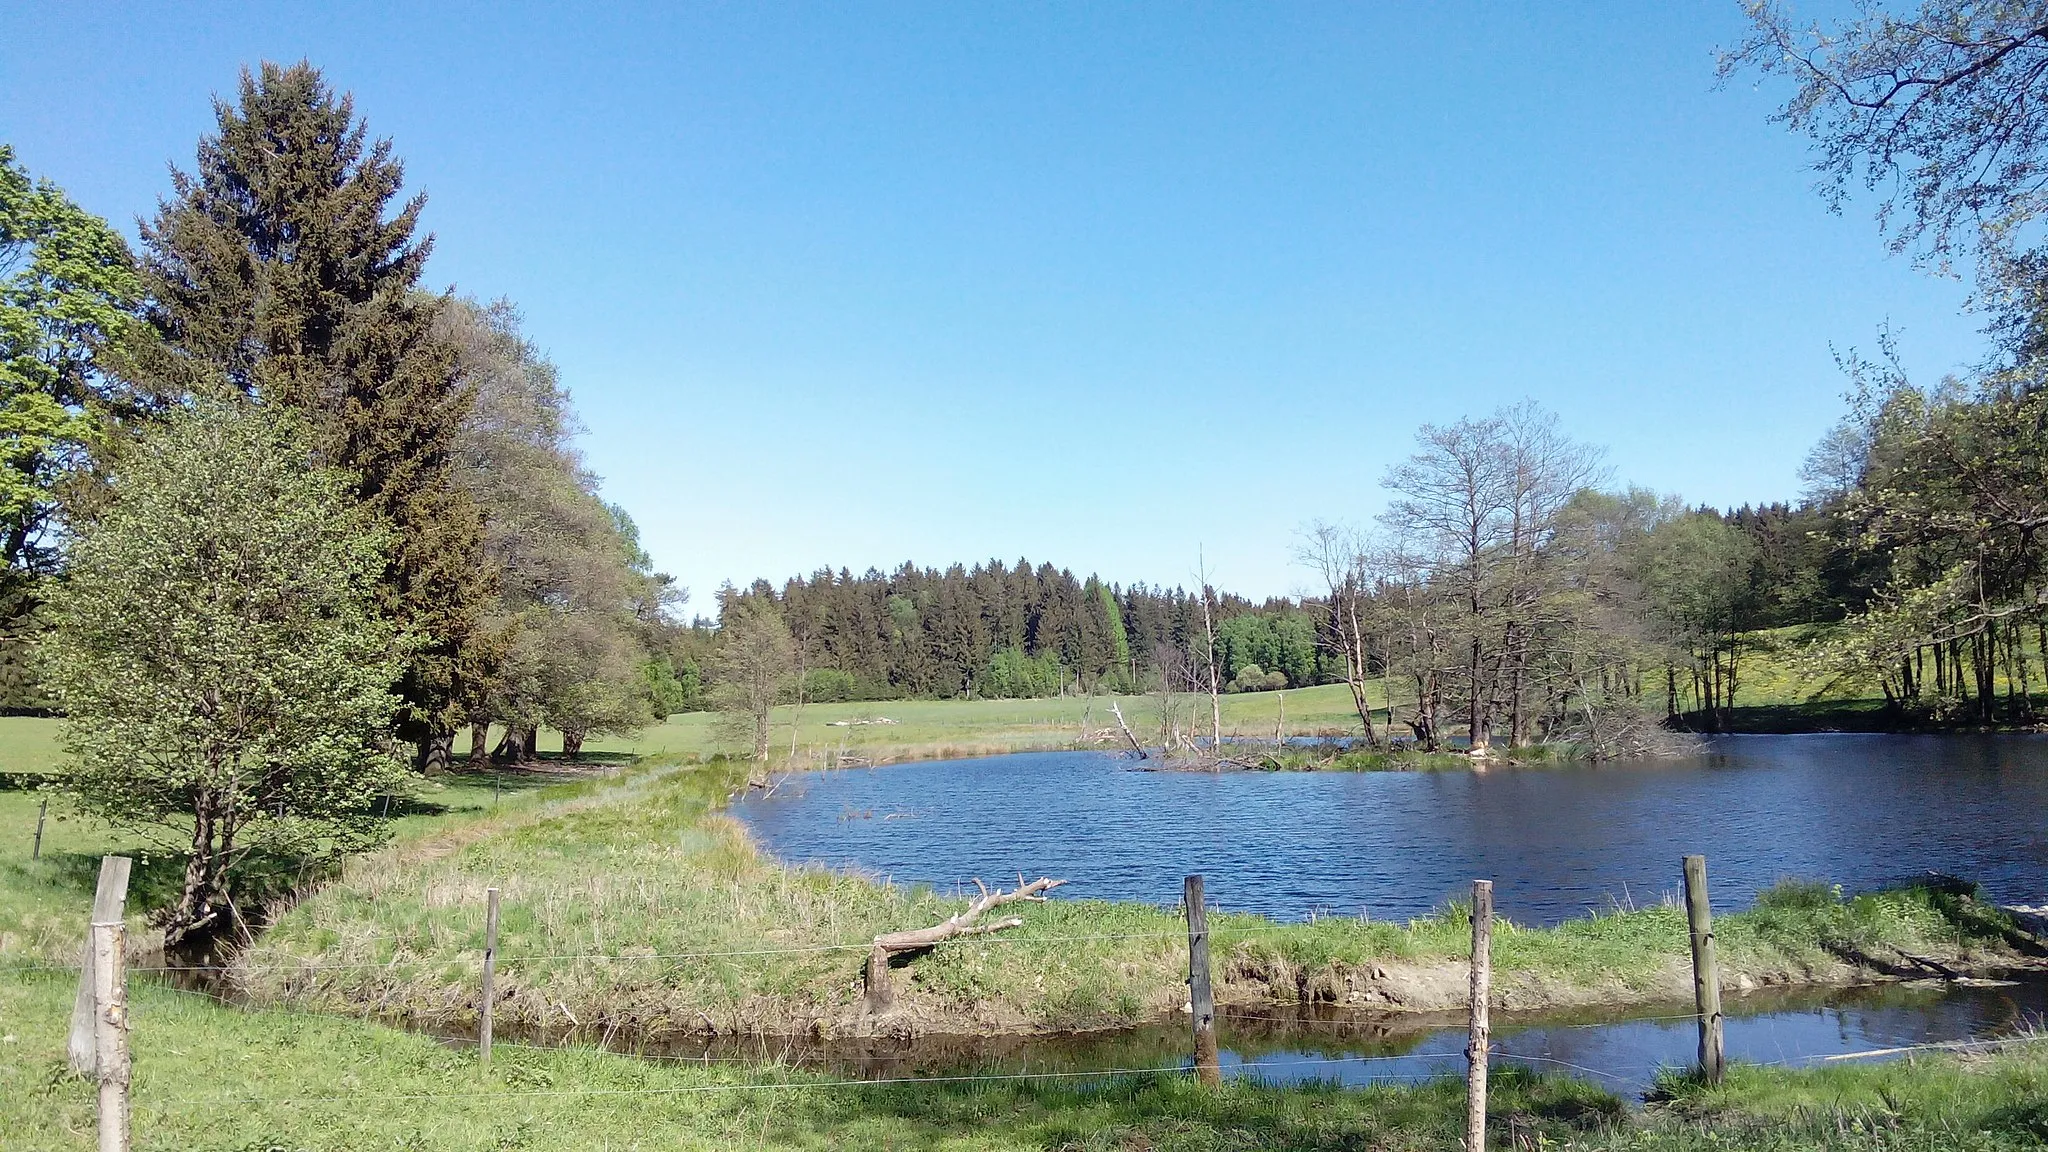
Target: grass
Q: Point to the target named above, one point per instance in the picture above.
(216, 1079)
(938, 729)
(208, 1077)
(43, 902)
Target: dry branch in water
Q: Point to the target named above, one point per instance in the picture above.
(1119, 714)
(881, 993)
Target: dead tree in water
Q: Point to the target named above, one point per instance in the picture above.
(1209, 657)
(1119, 714)
(881, 993)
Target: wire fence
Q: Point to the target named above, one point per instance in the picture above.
(766, 1073)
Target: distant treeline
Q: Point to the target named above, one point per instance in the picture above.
(1011, 630)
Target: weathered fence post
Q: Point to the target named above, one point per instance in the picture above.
(41, 811)
(1706, 969)
(483, 1037)
(1201, 997)
(110, 1032)
(109, 902)
(1479, 1042)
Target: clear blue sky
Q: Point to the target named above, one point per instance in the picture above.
(855, 284)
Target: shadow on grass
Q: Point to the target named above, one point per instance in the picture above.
(155, 879)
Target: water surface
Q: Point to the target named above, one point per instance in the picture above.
(1858, 810)
(1621, 1050)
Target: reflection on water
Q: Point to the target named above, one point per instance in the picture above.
(1796, 1028)
(1621, 1051)
(1858, 810)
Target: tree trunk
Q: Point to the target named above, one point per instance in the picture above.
(479, 744)
(572, 743)
(529, 743)
(436, 751)
(1479, 721)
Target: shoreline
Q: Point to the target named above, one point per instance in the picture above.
(741, 944)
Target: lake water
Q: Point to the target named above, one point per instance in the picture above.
(1857, 810)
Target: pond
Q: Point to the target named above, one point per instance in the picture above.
(1857, 810)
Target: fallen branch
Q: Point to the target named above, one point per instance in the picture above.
(881, 993)
(1119, 714)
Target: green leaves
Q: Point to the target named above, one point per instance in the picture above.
(216, 648)
(67, 290)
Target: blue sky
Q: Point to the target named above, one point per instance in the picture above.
(1095, 283)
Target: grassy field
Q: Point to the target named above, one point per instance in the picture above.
(919, 729)
(216, 1079)
(929, 729)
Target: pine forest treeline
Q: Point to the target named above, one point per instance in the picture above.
(1013, 629)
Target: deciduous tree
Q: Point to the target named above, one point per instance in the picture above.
(217, 652)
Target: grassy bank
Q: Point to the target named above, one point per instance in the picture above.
(888, 730)
(215, 1079)
(636, 904)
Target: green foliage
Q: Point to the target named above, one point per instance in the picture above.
(217, 651)
(666, 693)
(830, 686)
(67, 290)
(756, 660)
(1119, 639)
(1282, 643)
(279, 269)
(1011, 675)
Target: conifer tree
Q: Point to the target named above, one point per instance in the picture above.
(279, 270)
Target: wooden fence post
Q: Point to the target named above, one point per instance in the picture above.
(1706, 969)
(1201, 997)
(42, 811)
(1479, 1041)
(109, 903)
(483, 1039)
(110, 1032)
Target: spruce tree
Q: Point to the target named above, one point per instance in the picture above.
(285, 268)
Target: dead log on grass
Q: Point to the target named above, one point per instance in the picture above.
(881, 992)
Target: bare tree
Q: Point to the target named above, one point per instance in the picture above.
(1215, 684)
(1347, 614)
(1478, 505)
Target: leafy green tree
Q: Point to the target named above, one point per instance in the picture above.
(1938, 111)
(217, 652)
(576, 609)
(68, 289)
(1696, 574)
(1013, 675)
(279, 270)
(755, 660)
(666, 692)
